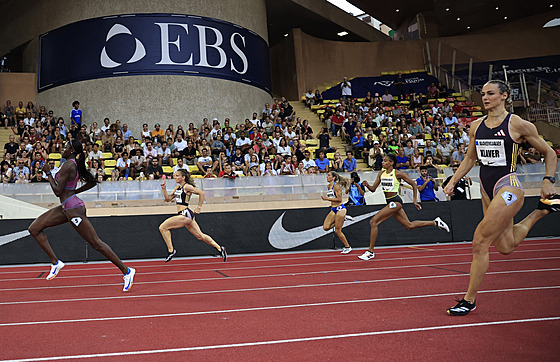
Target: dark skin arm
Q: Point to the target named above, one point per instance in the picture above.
(66, 172)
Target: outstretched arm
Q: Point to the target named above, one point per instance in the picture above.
(403, 176)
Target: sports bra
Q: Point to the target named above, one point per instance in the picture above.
(71, 184)
(181, 197)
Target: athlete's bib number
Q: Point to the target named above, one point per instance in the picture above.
(388, 184)
(491, 152)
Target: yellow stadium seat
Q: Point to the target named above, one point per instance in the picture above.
(174, 161)
(549, 143)
(193, 168)
(361, 99)
(110, 163)
(196, 176)
(107, 155)
(330, 155)
(55, 156)
(312, 142)
(461, 99)
(456, 95)
(57, 163)
(99, 143)
(315, 106)
(477, 114)
(320, 111)
(427, 136)
(108, 171)
(167, 170)
(441, 100)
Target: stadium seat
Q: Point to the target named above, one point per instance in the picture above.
(108, 171)
(99, 143)
(477, 114)
(193, 168)
(107, 155)
(174, 161)
(168, 170)
(456, 95)
(110, 163)
(312, 142)
(330, 155)
(55, 156)
(196, 176)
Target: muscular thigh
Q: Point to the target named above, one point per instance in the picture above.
(50, 218)
(388, 211)
(329, 220)
(499, 213)
(176, 222)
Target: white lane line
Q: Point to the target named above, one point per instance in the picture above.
(266, 288)
(331, 254)
(372, 269)
(292, 340)
(261, 267)
(288, 306)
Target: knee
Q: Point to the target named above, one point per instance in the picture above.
(326, 228)
(373, 223)
(479, 246)
(97, 244)
(408, 226)
(162, 228)
(33, 230)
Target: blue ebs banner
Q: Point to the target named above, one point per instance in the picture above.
(139, 44)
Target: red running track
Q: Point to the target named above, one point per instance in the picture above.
(288, 306)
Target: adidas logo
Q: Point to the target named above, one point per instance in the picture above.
(500, 133)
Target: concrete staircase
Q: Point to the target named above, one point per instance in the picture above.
(4, 137)
(316, 124)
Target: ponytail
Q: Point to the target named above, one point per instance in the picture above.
(343, 181)
(85, 175)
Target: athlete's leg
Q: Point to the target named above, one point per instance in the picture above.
(381, 216)
(174, 222)
(495, 226)
(402, 218)
(511, 236)
(338, 222)
(50, 218)
(83, 226)
(522, 228)
(193, 227)
(329, 221)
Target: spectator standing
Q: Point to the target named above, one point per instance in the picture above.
(76, 114)
(356, 192)
(349, 162)
(460, 189)
(346, 89)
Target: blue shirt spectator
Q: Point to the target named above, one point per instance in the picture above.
(349, 162)
(426, 185)
(76, 113)
(322, 164)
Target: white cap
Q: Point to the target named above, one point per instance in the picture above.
(215, 119)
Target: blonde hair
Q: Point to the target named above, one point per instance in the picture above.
(343, 181)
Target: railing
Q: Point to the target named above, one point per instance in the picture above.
(298, 187)
(541, 112)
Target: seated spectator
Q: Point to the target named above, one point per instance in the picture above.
(337, 122)
(6, 172)
(416, 160)
(227, 172)
(337, 163)
(188, 153)
(532, 155)
(307, 161)
(375, 157)
(154, 170)
(180, 144)
(429, 149)
(21, 173)
(324, 142)
(349, 162)
(138, 162)
(10, 114)
(318, 98)
(164, 155)
(20, 111)
(426, 186)
(387, 98)
(357, 144)
(180, 165)
(309, 98)
(349, 129)
(10, 148)
(150, 151)
(217, 145)
(269, 170)
(356, 192)
(444, 151)
(459, 155)
(205, 163)
(158, 133)
(283, 149)
(238, 160)
(450, 121)
(287, 166)
(430, 163)
(415, 128)
(123, 165)
(243, 142)
(432, 91)
(408, 149)
(403, 162)
(322, 163)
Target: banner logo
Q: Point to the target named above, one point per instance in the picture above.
(139, 53)
(153, 44)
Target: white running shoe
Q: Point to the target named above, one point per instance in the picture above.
(440, 224)
(367, 255)
(346, 250)
(55, 268)
(348, 217)
(128, 279)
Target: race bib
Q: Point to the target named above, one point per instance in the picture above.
(491, 152)
(330, 193)
(388, 184)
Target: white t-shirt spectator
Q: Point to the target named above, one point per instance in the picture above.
(307, 164)
(184, 167)
(29, 121)
(96, 156)
(346, 88)
(123, 163)
(387, 97)
(284, 150)
(179, 146)
(163, 153)
(242, 142)
(150, 153)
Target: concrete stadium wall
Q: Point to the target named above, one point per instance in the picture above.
(250, 232)
(138, 99)
(18, 87)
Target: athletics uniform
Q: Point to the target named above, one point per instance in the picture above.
(497, 153)
(331, 193)
(73, 201)
(182, 198)
(390, 183)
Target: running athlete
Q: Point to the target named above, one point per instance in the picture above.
(182, 194)
(390, 180)
(73, 209)
(495, 139)
(337, 215)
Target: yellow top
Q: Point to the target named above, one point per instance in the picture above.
(389, 182)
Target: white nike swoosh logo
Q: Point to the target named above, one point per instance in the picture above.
(281, 238)
(8, 238)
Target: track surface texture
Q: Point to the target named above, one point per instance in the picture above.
(303, 306)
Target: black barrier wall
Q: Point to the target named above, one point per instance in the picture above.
(135, 237)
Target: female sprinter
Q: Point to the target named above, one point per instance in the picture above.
(495, 140)
(72, 209)
(336, 217)
(390, 180)
(182, 194)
